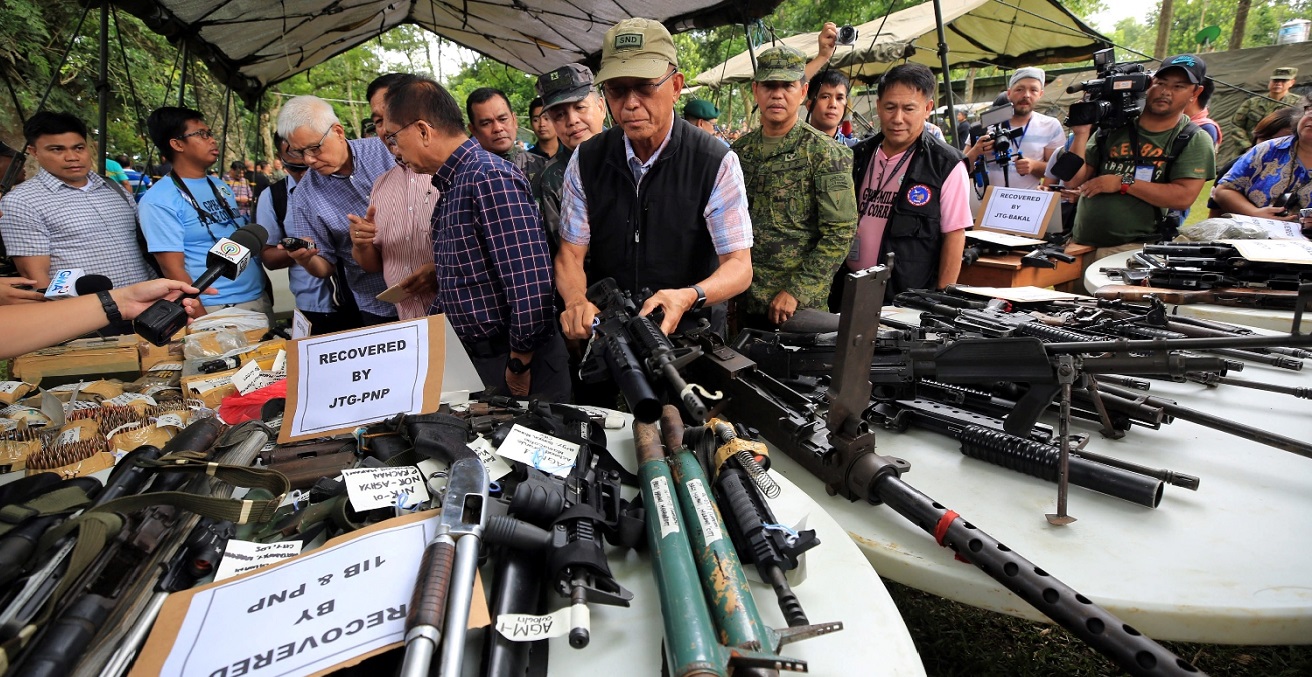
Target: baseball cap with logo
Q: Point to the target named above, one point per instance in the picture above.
(780, 64)
(1194, 68)
(637, 48)
(1285, 73)
(566, 84)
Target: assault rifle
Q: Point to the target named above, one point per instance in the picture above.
(832, 441)
(631, 350)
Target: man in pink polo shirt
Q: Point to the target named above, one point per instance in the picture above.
(395, 236)
(911, 191)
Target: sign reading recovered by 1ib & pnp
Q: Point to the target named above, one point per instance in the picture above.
(340, 381)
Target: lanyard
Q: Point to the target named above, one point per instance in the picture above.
(205, 217)
(880, 182)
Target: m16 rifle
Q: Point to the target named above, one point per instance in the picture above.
(832, 441)
(631, 350)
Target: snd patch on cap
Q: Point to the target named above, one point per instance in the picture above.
(625, 41)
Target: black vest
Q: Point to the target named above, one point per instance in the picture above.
(913, 232)
(651, 236)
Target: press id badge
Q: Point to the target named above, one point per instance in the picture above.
(1143, 173)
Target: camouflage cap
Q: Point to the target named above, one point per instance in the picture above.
(567, 84)
(637, 48)
(1285, 73)
(780, 64)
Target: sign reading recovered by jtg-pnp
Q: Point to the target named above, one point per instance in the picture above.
(340, 381)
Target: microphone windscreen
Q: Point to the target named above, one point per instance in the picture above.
(251, 236)
(1066, 166)
(90, 284)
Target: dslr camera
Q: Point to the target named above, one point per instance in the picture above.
(995, 123)
(1115, 98)
(846, 35)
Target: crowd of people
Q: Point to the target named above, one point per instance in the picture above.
(442, 211)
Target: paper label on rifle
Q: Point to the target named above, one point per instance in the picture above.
(242, 556)
(539, 450)
(705, 509)
(530, 628)
(666, 512)
(496, 468)
(370, 488)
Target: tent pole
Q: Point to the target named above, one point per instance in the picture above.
(102, 86)
(227, 105)
(751, 49)
(182, 82)
(943, 58)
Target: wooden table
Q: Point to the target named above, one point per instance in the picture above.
(1006, 270)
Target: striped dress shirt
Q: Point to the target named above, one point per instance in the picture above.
(403, 204)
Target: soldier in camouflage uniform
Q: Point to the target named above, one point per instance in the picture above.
(802, 203)
(1239, 137)
(576, 113)
(494, 126)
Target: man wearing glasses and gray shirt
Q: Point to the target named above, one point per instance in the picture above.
(341, 177)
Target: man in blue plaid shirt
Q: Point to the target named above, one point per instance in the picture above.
(494, 278)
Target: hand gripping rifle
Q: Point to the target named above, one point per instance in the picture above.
(835, 444)
(446, 575)
(631, 350)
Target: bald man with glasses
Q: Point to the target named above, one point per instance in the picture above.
(657, 204)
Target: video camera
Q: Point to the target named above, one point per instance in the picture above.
(995, 123)
(1115, 98)
(847, 35)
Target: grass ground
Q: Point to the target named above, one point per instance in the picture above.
(955, 640)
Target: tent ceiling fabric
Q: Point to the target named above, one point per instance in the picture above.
(1008, 33)
(252, 44)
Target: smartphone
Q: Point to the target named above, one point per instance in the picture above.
(292, 244)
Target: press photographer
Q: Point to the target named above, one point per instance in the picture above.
(1140, 170)
(1016, 151)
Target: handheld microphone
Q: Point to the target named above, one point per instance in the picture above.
(62, 284)
(227, 258)
(88, 285)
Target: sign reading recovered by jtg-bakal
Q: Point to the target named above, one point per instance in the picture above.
(340, 381)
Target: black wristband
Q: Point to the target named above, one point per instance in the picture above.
(111, 308)
(701, 297)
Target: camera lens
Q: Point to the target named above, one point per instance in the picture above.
(846, 35)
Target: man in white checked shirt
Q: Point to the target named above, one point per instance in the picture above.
(395, 236)
(67, 216)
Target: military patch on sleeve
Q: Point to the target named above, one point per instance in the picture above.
(919, 195)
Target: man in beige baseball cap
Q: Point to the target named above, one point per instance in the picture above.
(657, 203)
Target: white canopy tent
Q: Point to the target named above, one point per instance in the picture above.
(1006, 33)
(251, 44)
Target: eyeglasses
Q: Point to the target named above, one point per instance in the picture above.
(390, 139)
(309, 150)
(203, 134)
(645, 90)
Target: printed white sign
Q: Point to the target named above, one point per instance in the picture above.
(370, 488)
(300, 325)
(302, 616)
(242, 556)
(539, 450)
(359, 377)
(1016, 210)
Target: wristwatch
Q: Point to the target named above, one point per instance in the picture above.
(111, 308)
(518, 366)
(701, 297)
(1126, 182)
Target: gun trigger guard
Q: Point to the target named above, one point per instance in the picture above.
(704, 393)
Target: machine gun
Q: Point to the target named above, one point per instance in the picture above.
(631, 350)
(831, 440)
